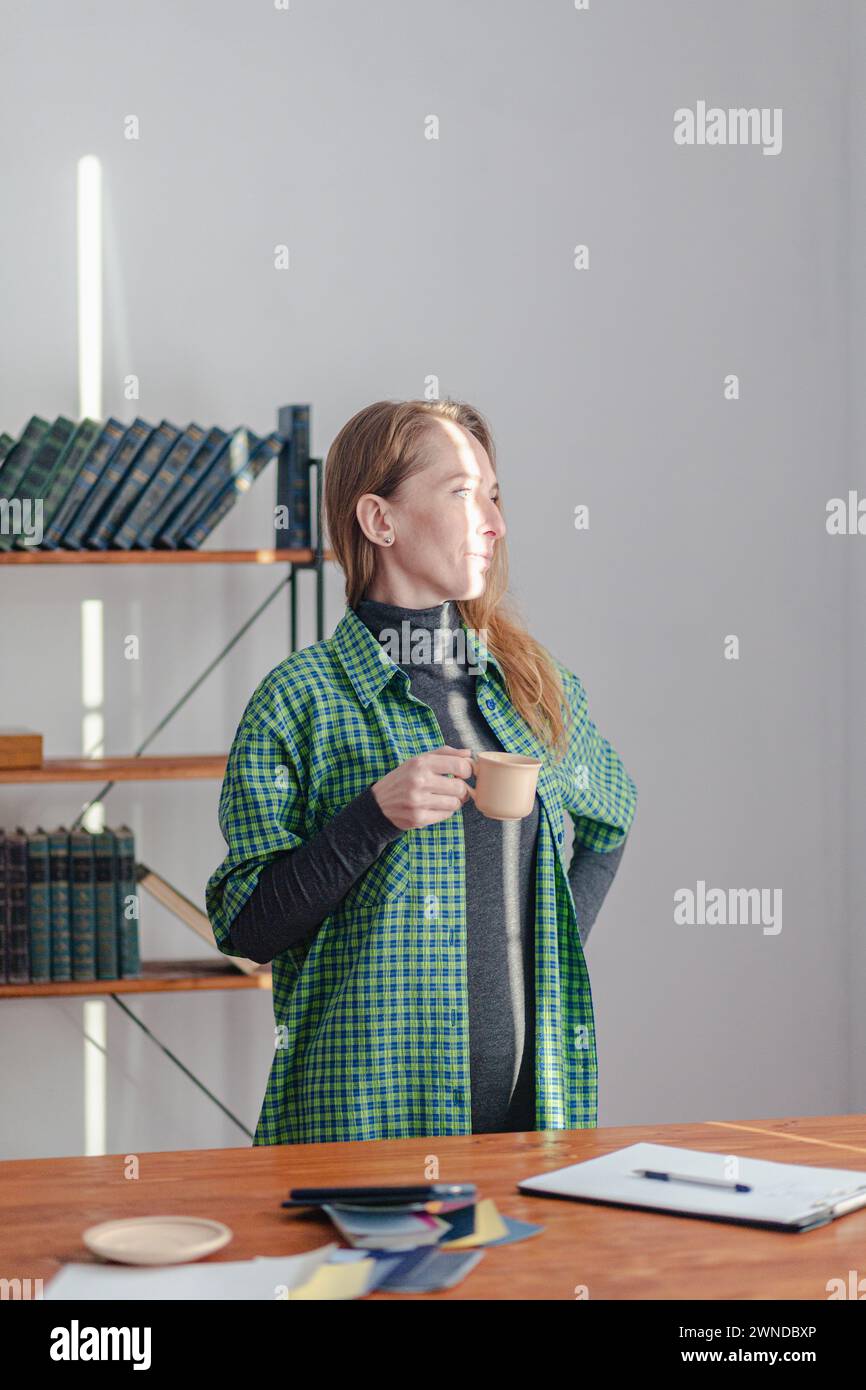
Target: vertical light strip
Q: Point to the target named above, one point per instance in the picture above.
(92, 686)
(95, 1075)
(92, 694)
(89, 287)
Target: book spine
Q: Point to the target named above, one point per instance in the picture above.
(135, 527)
(92, 469)
(231, 461)
(44, 460)
(301, 531)
(105, 895)
(219, 470)
(284, 503)
(31, 487)
(104, 490)
(82, 906)
(264, 453)
(14, 468)
(134, 485)
(128, 904)
(196, 470)
(19, 456)
(61, 930)
(39, 906)
(299, 472)
(17, 952)
(68, 466)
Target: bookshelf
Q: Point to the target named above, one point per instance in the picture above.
(170, 977)
(157, 976)
(162, 557)
(182, 768)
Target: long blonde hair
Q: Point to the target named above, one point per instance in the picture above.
(377, 449)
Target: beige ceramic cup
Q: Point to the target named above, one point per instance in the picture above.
(505, 784)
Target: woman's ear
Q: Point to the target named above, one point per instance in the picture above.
(373, 519)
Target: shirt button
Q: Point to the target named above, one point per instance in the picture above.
(559, 836)
(491, 704)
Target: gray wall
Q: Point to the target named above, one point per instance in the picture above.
(851, 695)
(412, 257)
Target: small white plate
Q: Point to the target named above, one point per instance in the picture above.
(156, 1240)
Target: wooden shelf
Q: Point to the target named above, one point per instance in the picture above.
(157, 977)
(160, 557)
(179, 768)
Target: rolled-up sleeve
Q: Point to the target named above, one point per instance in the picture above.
(261, 814)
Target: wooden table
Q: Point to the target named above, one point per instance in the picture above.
(616, 1253)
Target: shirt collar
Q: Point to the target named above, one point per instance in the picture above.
(368, 665)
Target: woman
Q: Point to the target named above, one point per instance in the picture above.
(428, 967)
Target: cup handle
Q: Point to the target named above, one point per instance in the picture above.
(473, 763)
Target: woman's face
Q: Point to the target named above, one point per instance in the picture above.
(444, 520)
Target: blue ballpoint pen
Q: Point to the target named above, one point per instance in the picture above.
(727, 1183)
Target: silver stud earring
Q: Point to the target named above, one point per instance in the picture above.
(388, 540)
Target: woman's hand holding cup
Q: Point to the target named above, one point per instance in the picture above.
(425, 789)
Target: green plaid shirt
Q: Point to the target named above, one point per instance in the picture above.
(371, 1015)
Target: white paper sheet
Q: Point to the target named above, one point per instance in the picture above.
(216, 1279)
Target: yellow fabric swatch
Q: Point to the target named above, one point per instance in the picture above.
(488, 1226)
(336, 1281)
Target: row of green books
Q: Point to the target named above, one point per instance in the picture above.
(68, 905)
(110, 486)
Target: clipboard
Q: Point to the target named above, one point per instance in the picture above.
(781, 1196)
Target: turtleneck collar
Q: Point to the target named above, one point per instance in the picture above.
(417, 637)
(377, 615)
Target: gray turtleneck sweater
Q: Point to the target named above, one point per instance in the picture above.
(298, 889)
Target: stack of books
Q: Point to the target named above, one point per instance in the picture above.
(68, 906)
(411, 1242)
(110, 486)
